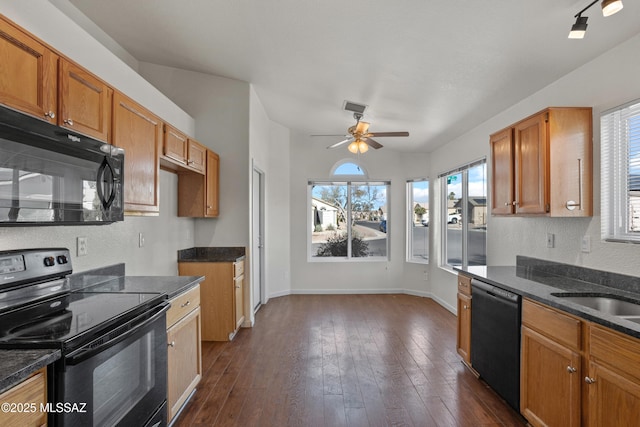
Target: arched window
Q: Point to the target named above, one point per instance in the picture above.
(348, 216)
(348, 167)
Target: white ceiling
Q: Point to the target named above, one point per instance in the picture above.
(433, 68)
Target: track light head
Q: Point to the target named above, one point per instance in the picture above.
(579, 28)
(610, 7)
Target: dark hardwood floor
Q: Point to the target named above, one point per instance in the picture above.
(344, 360)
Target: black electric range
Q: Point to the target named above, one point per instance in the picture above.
(113, 344)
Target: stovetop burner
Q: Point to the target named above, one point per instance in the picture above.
(38, 310)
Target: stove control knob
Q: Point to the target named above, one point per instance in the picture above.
(49, 261)
(62, 259)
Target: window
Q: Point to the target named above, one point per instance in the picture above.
(418, 221)
(348, 220)
(620, 145)
(464, 215)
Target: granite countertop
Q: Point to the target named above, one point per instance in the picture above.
(212, 254)
(168, 285)
(540, 284)
(16, 365)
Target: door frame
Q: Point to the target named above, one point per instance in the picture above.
(257, 226)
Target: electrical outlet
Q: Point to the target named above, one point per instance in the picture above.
(585, 245)
(426, 276)
(551, 240)
(140, 240)
(82, 246)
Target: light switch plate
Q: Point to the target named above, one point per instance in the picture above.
(585, 245)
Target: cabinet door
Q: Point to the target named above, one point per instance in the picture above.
(84, 102)
(175, 144)
(196, 156)
(531, 166)
(213, 184)
(32, 391)
(613, 399)
(28, 74)
(184, 360)
(238, 300)
(464, 327)
(502, 196)
(139, 132)
(550, 382)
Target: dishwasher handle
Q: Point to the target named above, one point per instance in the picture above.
(494, 291)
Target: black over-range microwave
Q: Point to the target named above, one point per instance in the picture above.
(50, 175)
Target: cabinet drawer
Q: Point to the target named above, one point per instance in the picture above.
(238, 268)
(182, 304)
(560, 327)
(619, 351)
(464, 284)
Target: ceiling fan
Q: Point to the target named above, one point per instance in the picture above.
(360, 138)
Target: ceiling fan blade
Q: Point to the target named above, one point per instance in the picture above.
(388, 134)
(339, 134)
(337, 144)
(373, 143)
(362, 127)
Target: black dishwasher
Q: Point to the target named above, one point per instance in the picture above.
(495, 339)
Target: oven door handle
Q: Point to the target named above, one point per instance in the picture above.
(135, 325)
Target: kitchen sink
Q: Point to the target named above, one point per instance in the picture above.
(610, 304)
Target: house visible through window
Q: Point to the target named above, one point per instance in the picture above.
(348, 218)
(464, 215)
(418, 221)
(620, 172)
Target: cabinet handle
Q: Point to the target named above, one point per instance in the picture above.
(50, 115)
(209, 207)
(171, 344)
(68, 122)
(571, 205)
(507, 203)
(185, 304)
(589, 380)
(571, 369)
(466, 307)
(515, 203)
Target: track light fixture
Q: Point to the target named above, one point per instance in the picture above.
(609, 7)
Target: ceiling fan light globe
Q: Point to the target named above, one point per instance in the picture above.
(610, 7)
(363, 147)
(353, 147)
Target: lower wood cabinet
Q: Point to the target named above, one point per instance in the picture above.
(463, 340)
(30, 393)
(222, 297)
(577, 373)
(612, 379)
(184, 355)
(551, 368)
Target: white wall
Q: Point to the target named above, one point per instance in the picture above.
(220, 107)
(114, 243)
(311, 160)
(607, 81)
(269, 147)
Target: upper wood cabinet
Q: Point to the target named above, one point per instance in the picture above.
(174, 144)
(198, 194)
(28, 79)
(139, 132)
(181, 153)
(196, 156)
(84, 102)
(542, 165)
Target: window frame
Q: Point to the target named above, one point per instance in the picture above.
(443, 261)
(410, 225)
(616, 214)
(349, 181)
